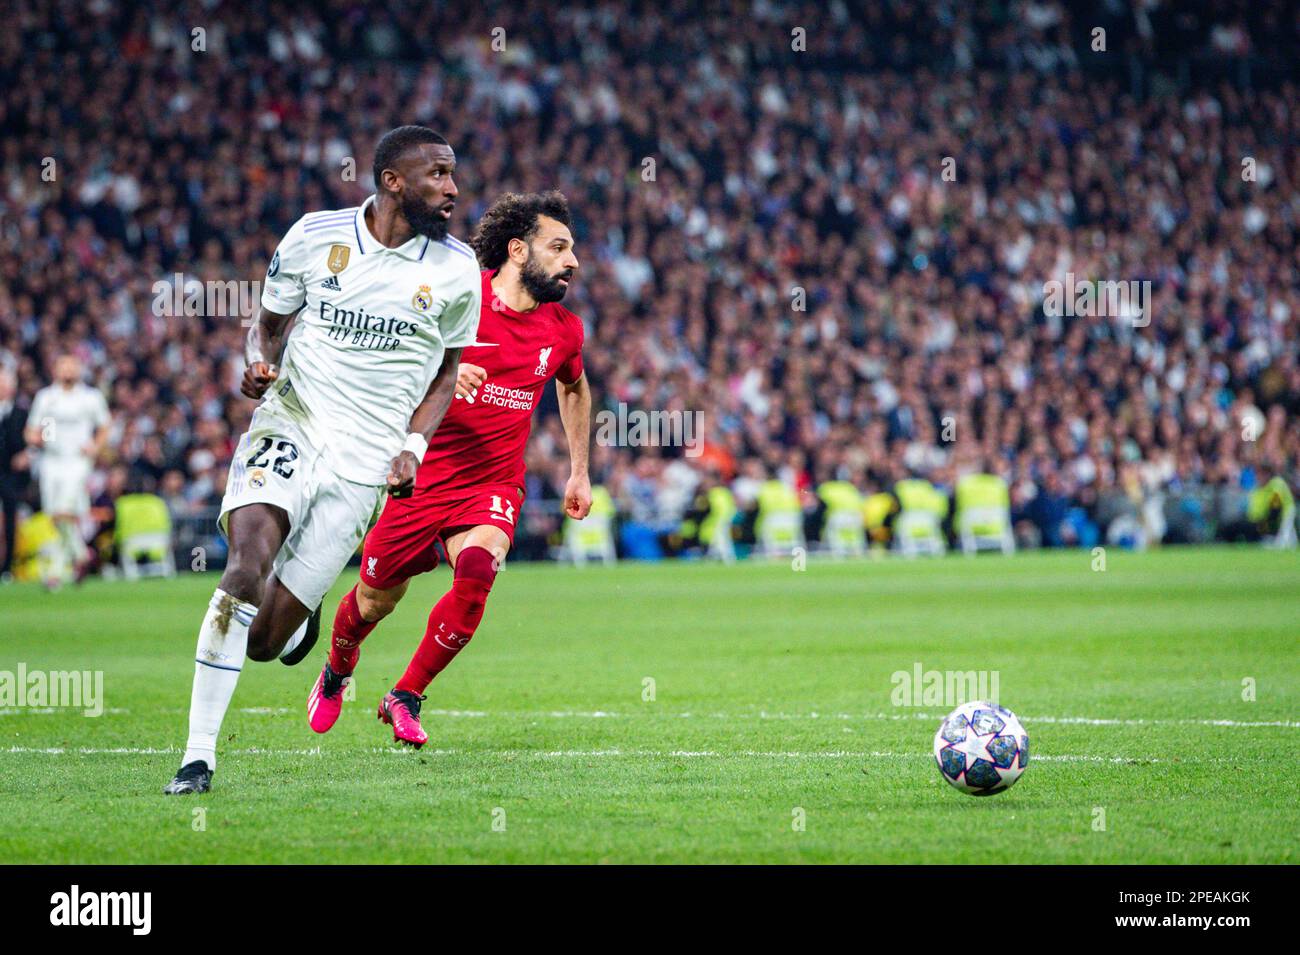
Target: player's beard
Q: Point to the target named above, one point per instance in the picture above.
(423, 217)
(542, 287)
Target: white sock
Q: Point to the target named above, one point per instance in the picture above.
(56, 560)
(68, 550)
(295, 639)
(223, 644)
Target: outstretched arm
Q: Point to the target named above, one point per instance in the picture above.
(575, 413)
(424, 422)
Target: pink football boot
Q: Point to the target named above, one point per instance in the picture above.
(401, 710)
(325, 701)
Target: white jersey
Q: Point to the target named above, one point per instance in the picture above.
(68, 419)
(370, 336)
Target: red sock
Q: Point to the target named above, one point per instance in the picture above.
(454, 619)
(350, 628)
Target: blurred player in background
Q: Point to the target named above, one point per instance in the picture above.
(68, 424)
(471, 484)
(382, 301)
(13, 466)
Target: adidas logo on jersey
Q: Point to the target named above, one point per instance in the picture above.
(332, 283)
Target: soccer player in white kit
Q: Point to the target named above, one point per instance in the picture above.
(68, 422)
(382, 301)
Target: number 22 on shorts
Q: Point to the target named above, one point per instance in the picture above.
(288, 454)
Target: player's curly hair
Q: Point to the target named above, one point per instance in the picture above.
(514, 216)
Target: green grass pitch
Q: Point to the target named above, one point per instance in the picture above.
(771, 703)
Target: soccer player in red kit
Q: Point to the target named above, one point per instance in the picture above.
(470, 484)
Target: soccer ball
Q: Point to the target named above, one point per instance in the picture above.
(981, 748)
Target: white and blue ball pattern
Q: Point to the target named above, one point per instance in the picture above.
(981, 748)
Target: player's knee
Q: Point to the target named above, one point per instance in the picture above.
(479, 564)
(374, 604)
(244, 580)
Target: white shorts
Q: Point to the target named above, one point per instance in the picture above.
(65, 485)
(277, 464)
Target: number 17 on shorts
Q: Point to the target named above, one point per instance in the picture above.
(502, 510)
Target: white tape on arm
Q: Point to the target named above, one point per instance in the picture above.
(416, 444)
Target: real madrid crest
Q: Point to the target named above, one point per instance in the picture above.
(338, 260)
(423, 299)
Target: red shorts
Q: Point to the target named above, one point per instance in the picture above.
(401, 545)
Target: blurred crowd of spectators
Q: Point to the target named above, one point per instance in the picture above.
(828, 227)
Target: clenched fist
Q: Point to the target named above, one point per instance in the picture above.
(577, 496)
(257, 378)
(401, 474)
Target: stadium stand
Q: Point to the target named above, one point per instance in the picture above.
(841, 255)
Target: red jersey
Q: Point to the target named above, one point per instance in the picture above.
(482, 438)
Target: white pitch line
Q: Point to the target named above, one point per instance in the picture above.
(761, 715)
(558, 754)
(1090, 721)
(764, 715)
